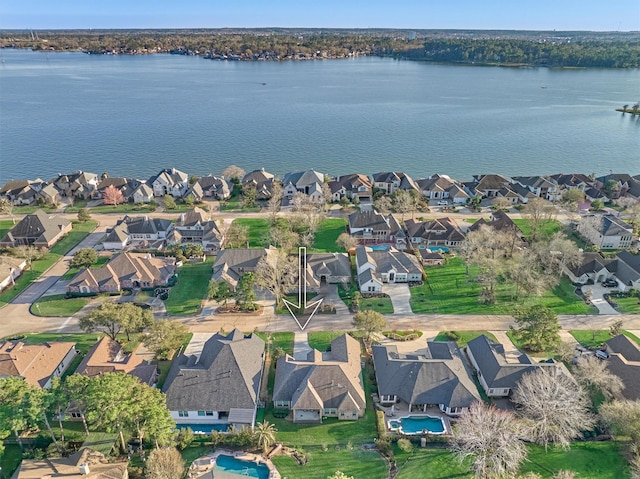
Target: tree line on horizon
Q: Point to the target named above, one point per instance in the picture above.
(607, 52)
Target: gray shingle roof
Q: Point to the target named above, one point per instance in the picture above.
(226, 376)
(624, 362)
(37, 228)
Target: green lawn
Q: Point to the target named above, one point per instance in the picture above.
(187, 295)
(30, 209)
(321, 340)
(463, 337)
(590, 460)
(11, 458)
(429, 463)
(258, 231)
(381, 305)
(327, 234)
(547, 228)
(5, 226)
(595, 337)
(628, 305)
(77, 234)
(356, 462)
(71, 272)
(448, 290)
(58, 305)
(279, 340)
(123, 208)
(234, 202)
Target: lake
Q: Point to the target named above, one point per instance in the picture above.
(133, 115)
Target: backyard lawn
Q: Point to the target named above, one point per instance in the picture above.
(429, 463)
(327, 234)
(58, 305)
(258, 234)
(83, 341)
(448, 290)
(547, 228)
(354, 462)
(187, 295)
(57, 251)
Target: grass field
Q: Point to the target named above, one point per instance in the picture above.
(547, 228)
(187, 295)
(5, 226)
(258, 231)
(83, 341)
(321, 340)
(381, 305)
(595, 337)
(463, 337)
(77, 234)
(448, 290)
(628, 305)
(10, 459)
(71, 272)
(123, 208)
(355, 462)
(430, 463)
(327, 234)
(57, 305)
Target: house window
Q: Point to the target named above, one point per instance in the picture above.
(200, 413)
(282, 404)
(330, 411)
(183, 413)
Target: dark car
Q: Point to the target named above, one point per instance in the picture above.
(610, 283)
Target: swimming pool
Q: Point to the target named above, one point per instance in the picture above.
(241, 468)
(204, 428)
(379, 247)
(410, 425)
(438, 249)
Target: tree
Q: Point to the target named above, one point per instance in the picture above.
(490, 437)
(402, 202)
(30, 253)
(370, 321)
(565, 350)
(83, 258)
(112, 196)
(112, 318)
(539, 212)
(236, 236)
(339, 475)
(249, 195)
(164, 336)
(616, 328)
(501, 203)
(382, 205)
(189, 200)
(212, 289)
(233, 172)
(597, 204)
(276, 273)
(537, 327)
(346, 241)
(245, 293)
(184, 438)
(265, 434)
(169, 202)
(83, 215)
(275, 202)
(593, 372)
(572, 197)
(6, 208)
(559, 253)
(224, 292)
(21, 406)
(164, 463)
(622, 418)
(555, 408)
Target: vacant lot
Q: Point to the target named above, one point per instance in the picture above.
(258, 231)
(186, 296)
(449, 290)
(327, 234)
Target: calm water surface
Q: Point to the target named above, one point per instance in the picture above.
(132, 115)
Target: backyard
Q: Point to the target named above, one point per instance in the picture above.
(448, 290)
(327, 234)
(258, 231)
(186, 296)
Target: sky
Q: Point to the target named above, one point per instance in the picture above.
(600, 15)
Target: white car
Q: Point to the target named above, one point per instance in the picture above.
(443, 203)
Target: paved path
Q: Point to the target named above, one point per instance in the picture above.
(301, 345)
(567, 337)
(597, 292)
(400, 297)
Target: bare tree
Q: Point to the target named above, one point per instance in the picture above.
(164, 463)
(538, 211)
(501, 203)
(30, 253)
(233, 172)
(7, 208)
(275, 202)
(236, 236)
(382, 205)
(565, 350)
(346, 241)
(559, 254)
(490, 437)
(555, 408)
(616, 327)
(622, 418)
(276, 273)
(112, 196)
(402, 202)
(593, 372)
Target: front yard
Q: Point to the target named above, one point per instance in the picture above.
(57, 305)
(193, 281)
(448, 290)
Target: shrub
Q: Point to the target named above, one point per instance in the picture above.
(381, 425)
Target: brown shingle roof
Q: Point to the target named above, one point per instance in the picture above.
(34, 362)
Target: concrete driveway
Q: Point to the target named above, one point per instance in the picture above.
(400, 297)
(597, 298)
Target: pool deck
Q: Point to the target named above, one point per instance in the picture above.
(204, 464)
(402, 410)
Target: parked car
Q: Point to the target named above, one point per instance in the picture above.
(610, 283)
(443, 203)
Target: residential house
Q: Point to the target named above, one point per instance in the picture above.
(21, 192)
(309, 182)
(487, 186)
(37, 364)
(390, 181)
(48, 194)
(215, 187)
(431, 259)
(542, 186)
(195, 226)
(10, 269)
(438, 232)
(142, 194)
(169, 181)
(572, 181)
(370, 227)
(231, 264)
(327, 268)
(435, 376)
(498, 371)
(117, 238)
(522, 193)
(606, 231)
(262, 180)
(195, 193)
(499, 221)
(124, 271)
(127, 186)
(442, 187)
(85, 463)
(624, 362)
(323, 384)
(79, 184)
(38, 229)
(373, 268)
(217, 382)
(351, 186)
(142, 231)
(108, 356)
(593, 268)
(626, 267)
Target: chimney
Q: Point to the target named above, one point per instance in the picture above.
(84, 468)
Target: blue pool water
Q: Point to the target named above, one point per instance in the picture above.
(438, 249)
(417, 425)
(204, 428)
(242, 468)
(379, 247)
